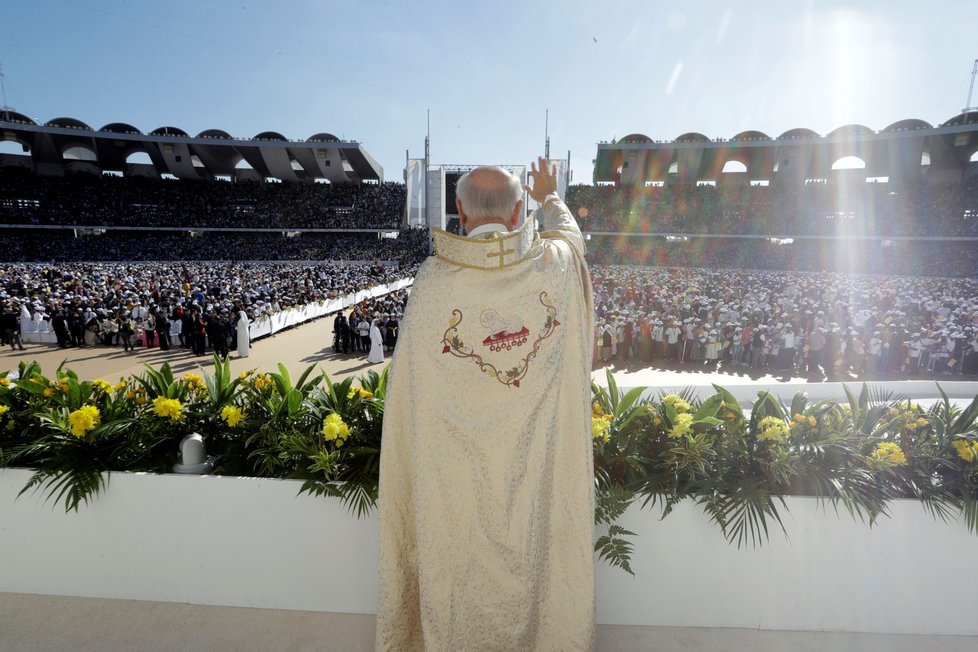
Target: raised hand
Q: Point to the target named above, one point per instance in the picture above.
(544, 180)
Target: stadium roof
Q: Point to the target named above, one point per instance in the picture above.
(898, 152)
(173, 151)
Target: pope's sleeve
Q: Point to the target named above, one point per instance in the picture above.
(558, 222)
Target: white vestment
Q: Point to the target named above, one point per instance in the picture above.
(376, 345)
(486, 473)
(244, 337)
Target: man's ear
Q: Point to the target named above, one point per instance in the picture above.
(462, 217)
(514, 219)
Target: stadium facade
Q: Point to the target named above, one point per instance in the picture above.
(67, 145)
(900, 152)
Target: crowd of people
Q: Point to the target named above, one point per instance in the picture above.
(957, 258)
(65, 245)
(824, 325)
(863, 209)
(784, 305)
(200, 306)
(88, 200)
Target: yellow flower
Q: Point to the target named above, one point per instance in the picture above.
(359, 391)
(334, 428)
(600, 426)
(259, 383)
(64, 386)
(194, 380)
(682, 426)
(84, 419)
(966, 450)
(48, 392)
(800, 418)
(3, 410)
(168, 407)
(922, 422)
(102, 385)
(243, 375)
(677, 402)
(4, 382)
(141, 400)
(232, 415)
(889, 452)
(811, 422)
(772, 429)
(894, 412)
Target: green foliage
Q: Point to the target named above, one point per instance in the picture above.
(652, 451)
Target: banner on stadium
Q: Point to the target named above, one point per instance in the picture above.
(436, 197)
(414, 184)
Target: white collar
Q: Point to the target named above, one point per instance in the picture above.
(491, 227)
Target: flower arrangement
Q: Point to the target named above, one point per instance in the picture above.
(736, 463)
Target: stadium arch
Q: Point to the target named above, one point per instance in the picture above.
(215, 133)
(67, 123)
(798, 133)
(121, 128)
(635, 138)
(79, 152)
(322, 137)
(270, 135)
(169, 131)
(139, 163)
(13, 116)
(750, 135)
(969, 118)
(909, 124)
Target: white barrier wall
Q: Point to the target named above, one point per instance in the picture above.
(253, 543)
(39, 331)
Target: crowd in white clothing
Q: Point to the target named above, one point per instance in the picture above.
(786, 323)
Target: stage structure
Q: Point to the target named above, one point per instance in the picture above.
(67, 145)
(904, 151)
(431, 191)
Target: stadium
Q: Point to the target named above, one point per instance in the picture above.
(762, 264)
(853, 202)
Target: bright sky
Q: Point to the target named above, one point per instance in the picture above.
(368, 70)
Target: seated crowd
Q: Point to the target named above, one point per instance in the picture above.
(957, 258)
(866, 209)
(784, 323)
(87, 200)
(28, 245)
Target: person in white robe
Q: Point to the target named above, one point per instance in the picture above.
(376, 354)
(486, 495)
(244, 337)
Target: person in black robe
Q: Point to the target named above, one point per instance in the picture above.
(217, 333)
(60, 326)
(391, 333)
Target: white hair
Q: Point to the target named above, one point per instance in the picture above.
(489, 201)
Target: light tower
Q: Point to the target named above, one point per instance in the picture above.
(967, 107)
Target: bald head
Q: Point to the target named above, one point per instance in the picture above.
(488, 195)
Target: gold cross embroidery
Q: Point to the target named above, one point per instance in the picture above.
(502, 252)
